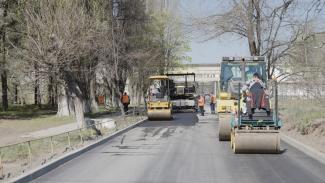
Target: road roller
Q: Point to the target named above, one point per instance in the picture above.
(226, 104)
(159, 106)
(256, 134)
(256, 131)
(227, 94)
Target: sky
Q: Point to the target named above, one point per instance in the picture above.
(210, 51)
(229, 45)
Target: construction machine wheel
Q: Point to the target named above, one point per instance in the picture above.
(256, 141)
(224, 127)
(158, 114)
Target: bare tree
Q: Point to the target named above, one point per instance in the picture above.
(269, 27)
(68, 46)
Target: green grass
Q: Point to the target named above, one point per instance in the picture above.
(26, 111)
(301, 114)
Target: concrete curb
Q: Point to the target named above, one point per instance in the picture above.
(304, 148)
(37, 172)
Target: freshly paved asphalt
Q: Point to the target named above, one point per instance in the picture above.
(184, 150)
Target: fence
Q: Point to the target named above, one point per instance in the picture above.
(304, 90)
(16, 159)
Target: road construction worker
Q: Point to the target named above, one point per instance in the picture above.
(256, 97)
(201, 102)
(213, 103)
(125, 99)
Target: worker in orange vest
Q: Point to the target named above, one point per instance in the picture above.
(201, 103)
(125, 99)
(213, 103)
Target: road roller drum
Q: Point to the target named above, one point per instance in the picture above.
(256, 141)
(224, 127)
(160, 114)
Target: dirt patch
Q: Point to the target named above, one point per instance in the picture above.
(304, 120)
(315, 137)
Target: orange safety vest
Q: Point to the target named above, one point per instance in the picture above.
(125, 99)
(201, 102)
(213, 99)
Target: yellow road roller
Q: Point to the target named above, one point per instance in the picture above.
(226, 104)
(159, 106)
(227, 95)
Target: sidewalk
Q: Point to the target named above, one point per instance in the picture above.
(51, 131)
(66, 128)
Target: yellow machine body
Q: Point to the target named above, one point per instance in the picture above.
(159, 108)
(226, 105)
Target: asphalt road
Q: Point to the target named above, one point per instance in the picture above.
(185, 150)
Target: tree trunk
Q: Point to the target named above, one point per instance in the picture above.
(4, 82)
(15, 93)
(139, 97)
(87, 106)
(119, 103)
(4, 77)
(78, 98)
(79, 111)
(93, 103)
(37, 92)
(113, 99)
(21, 96)
(250, 29)
(55, 97)
(51, 100)
(108, 98)
(65, 103)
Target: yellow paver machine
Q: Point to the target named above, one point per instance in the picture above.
(254, 133)
(159, 106)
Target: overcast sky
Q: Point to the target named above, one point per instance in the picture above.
(211, 51)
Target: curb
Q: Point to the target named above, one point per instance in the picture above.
(37, 172)
(304, 148)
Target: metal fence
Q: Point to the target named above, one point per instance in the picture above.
(15, 159)
(303, 90)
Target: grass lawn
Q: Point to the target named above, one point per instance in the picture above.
(21, 120)
(26, 111)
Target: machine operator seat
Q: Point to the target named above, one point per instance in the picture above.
(257, 100)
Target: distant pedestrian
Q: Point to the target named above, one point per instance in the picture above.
(213, 103)
(201, 103)
(125, 99)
